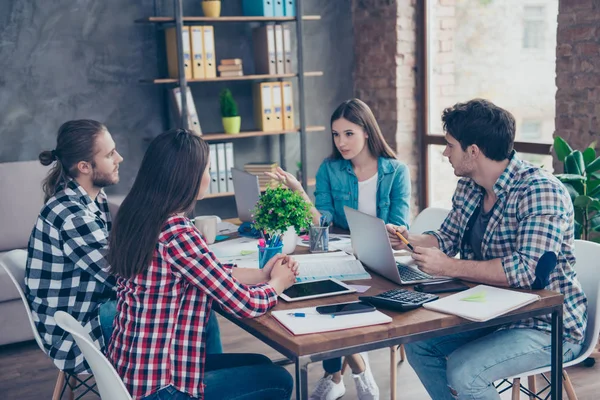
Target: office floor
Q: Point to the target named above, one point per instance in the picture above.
(27, 374)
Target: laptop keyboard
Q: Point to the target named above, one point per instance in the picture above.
(408, 274)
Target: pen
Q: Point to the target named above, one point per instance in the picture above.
(405, 241)
(302, 315)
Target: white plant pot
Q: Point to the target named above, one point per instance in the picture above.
(289, 239)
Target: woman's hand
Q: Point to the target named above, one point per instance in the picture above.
(283, 274)
(286, 178)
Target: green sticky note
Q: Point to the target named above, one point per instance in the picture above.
(247, 252)
(478, 297)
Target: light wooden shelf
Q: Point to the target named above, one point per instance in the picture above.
(311, 182)
(211, 137)
(237, 18)
(163, 81)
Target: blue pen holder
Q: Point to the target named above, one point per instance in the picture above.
(266, 253)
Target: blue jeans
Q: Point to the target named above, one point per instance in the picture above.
(237, 377)
(469, 363)
(108, 311)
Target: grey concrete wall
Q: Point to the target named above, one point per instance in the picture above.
(69, 59)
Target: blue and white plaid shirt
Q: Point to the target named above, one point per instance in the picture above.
(67, 270)
(532, 215)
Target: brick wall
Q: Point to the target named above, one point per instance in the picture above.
(384, 74)
(577, 74)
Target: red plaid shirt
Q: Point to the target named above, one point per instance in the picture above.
(159, 337)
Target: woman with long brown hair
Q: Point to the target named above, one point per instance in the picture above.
(362, 173)
(168, 280)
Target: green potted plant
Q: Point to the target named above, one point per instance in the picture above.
(211, 8)
(281, 211)
(582, 179)
(229, 112)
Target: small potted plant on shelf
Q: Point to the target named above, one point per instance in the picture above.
(229, 112)
(211, 8)
(282, 213)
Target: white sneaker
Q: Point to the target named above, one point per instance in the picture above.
(366, 387)
(327, 389)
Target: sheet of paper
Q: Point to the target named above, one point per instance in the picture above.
(242, 251)
(225, 228)
(360, 288)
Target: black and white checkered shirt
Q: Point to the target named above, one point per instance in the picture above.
(67, 270)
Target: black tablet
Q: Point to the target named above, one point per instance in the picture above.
(315, 289)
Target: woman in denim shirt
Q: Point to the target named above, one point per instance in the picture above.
(362, 173)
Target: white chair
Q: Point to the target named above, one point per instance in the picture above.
(430, 219)
(587, 255)
(108, 381)
(14, 263)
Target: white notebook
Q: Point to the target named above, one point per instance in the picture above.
(482, 303)
(314, 322)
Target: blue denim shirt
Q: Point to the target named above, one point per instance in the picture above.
(337, 186)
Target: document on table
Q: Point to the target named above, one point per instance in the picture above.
(242, 251)
(337, 265)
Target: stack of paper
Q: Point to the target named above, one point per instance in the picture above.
(338, 265)
(482, 303)
(314, 322)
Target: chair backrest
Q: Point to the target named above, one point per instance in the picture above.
(587, 256)
(108, 381)
(430, 219)
(14, 263)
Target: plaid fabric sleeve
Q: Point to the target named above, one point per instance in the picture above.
(449, 233)
(191, 258)
(85, 244)
(543, 220)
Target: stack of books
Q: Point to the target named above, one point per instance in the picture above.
(259, 169)
(230, 67)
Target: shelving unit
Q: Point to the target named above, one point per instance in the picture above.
(178, 20)
(311, 182)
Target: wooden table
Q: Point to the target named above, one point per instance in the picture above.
(405, 327)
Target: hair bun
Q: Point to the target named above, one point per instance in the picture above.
(47, 157)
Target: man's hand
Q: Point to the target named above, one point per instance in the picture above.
(432, 260)
(397, 244)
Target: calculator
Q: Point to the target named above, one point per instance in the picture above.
(399, 299)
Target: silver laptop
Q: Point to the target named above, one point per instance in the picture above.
(247, 191)
(372, 247)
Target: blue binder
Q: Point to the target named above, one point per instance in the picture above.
(289, 8)
(258, 8)
(278, 8)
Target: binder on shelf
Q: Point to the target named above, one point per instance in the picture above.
(263, 105)
(277, 102)
(279, 50)
(193, 121)
(263, 39)
(287, 106)
(278, 8)
(222, 169)
(214, 168)
(287, 50)
(210, 62)
(172, 56)
(230, 164)
(197, 52)
(289, 8)
(258, 8)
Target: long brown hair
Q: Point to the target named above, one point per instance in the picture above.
(357, 112)
(75, 143)
(167, 183)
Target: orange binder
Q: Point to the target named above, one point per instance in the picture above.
(172, 58)
(288, 106)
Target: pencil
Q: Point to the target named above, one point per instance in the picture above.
(405, 241)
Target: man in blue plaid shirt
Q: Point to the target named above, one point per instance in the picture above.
(505, 215)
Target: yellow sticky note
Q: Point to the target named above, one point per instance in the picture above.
(478, 297)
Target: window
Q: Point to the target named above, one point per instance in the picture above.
(531, 131)
(533, 27)
(477, 49)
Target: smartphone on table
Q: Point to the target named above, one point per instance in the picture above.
(354, 307)
(441, 287)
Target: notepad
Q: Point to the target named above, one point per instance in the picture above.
(482, 303)
(315, 322)
(337, 265)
